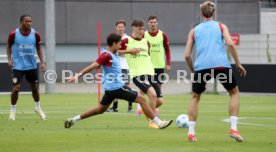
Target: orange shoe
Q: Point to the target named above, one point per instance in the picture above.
(192, 138)
(236, 135)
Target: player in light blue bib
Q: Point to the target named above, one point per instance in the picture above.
(211, 61)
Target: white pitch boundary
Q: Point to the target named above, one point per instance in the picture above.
(252, 124)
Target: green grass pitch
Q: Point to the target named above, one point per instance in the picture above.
(122, 132)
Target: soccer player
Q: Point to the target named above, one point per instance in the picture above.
(140, 65)
(211, 61)
(159, 47)
(120, 29)
(22, 44)
(113, 85)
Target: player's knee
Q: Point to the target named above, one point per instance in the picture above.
(151, 93)
(234, 91)
(160, 101)
(16, 88)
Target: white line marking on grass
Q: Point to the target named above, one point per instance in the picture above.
(252, 124)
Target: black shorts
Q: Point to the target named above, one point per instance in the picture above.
(124, 93)
(159, 75)
(224, 75)
(30, 75)
(125, 76)
(144, 82)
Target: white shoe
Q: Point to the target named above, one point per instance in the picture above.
(165, 124)
(68, 123)
(41, 114)
(12, 116)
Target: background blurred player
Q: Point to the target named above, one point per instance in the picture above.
(113, 85)
(211, 59)
(120, 29)
(22, 44)
(136, 50)
(159, 51)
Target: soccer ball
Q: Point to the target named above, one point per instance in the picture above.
(182, 121)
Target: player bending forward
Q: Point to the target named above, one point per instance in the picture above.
(113, 85)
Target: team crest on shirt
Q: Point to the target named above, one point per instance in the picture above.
(14, 80)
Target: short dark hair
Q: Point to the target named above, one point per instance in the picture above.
(137, 23)
(23, 16)
(120, 22)
(113, 37)
(152, 17)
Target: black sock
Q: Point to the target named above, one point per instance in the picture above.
(115, 105)
(129, 105)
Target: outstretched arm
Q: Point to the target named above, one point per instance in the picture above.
(87, 69)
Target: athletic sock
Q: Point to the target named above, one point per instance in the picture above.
(157, 121)
(138, 106)
(76, 118)
(13, 108)
(129, 105)
(192, 127)
(37, 105)
(115, 105)
(234, 121)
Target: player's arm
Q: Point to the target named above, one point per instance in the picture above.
(39, 52)
(9, 46)
(104, 59)
(189, 49)
(167, 51)
(230, 44)
(124, 50)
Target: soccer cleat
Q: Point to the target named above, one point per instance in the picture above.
(12, 116)
(68, 123)
(236, 135)
(41, 114)
(153, 125)
(112, 110)
(192, 138)
(165, 124)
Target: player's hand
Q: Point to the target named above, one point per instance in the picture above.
(241, 70)
(10, 64)
(72, 79)
(43, 67)
(134, 51)
(168, 67)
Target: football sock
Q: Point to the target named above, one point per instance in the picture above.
(157, 121)
(76, 118)
(234, 121)
(13, 108)
(192, 127)
(115, 105)
(37, 105)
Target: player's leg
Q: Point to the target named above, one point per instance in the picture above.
(138, 108)
(126, 79)
(130, 95)
(32, 78)
(99, 109)
(231, 86)
(142, 82)
(16, 80)
(114, 107)
(198, 86)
